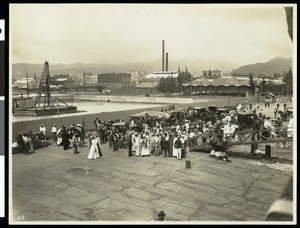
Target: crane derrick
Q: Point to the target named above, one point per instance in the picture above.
(44, 88)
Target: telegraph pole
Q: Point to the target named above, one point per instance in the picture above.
(27, 86)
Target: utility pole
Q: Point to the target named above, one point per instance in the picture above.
(27, 86)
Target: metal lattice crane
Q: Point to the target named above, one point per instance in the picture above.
(44, 88)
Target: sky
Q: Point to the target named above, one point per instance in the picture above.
(122, 33)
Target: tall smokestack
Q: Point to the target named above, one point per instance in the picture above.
(167, 60)
(163, 55)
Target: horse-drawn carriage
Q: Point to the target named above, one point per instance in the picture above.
(176, 117)
(147, 118)
(245, 119)
(286, 114)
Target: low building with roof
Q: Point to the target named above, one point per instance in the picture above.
(221, 86)
(232, 86)
(61, 82)
(24, 83)
(275, 84)
(150, 81)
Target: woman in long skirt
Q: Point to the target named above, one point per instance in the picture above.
(145, 146)
(94, 152)
(175, 150)
(136, 144)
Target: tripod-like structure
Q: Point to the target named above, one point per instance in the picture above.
(44, 88)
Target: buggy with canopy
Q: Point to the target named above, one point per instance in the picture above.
(142, 118)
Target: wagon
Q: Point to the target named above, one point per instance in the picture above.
(176, 116)
(212, 108)
(246, 119)
(200, 109)
(120, 126)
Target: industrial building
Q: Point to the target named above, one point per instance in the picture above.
(24, 83)
(231, 86)
(130, 80)
(111, 80)
(150, 81)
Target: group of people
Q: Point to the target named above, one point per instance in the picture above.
(72, 137)
(29, 141)
(157, 143)
(158, 139)
(206, 128)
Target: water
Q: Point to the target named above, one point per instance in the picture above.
(90, 107)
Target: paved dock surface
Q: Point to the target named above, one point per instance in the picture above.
(54, 185)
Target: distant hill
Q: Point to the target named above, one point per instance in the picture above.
(278, 65)
(21, 69)
(195, 67)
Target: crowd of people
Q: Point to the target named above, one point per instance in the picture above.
(157, 137)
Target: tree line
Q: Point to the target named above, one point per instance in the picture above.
(171, 85)
(268, 85)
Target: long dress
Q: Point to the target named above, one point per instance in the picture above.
(175, 150)
(145, 147)
(94, 152)
(65, 140)
(136, 145)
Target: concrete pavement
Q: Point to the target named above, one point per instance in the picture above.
(55, 185)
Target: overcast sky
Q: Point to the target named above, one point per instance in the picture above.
(115, 33)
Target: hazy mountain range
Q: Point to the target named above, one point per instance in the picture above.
(278, 65)
(195, 67)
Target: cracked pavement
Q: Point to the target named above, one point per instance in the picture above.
(55, 185)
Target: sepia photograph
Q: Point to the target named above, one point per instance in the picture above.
(152, 113)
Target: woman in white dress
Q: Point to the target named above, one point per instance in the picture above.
(93, 153)
(145, 142)
(136, 144)
(175, 150)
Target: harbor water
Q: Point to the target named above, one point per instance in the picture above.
(91, 107)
